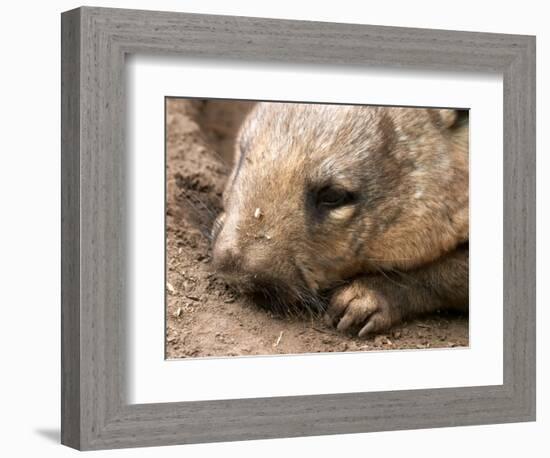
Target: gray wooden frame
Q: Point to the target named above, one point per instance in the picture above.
(95, 413)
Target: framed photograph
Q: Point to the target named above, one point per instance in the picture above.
(266, 228)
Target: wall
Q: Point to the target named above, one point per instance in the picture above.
(29, 229)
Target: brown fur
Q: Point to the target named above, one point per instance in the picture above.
(396, 249)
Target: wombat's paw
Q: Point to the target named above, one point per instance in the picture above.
(360, 308)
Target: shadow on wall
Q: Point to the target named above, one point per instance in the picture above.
(53, 435)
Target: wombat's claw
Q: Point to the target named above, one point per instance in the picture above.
(357, 307)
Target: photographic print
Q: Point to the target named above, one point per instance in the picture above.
(306, 228)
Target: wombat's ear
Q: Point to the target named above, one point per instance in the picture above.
(448, 118)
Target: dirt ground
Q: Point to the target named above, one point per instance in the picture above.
(203, 316)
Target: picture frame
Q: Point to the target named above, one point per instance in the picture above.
(95, 410)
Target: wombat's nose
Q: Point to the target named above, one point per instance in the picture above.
(226, 257)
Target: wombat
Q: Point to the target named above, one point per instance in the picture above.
(364, 206)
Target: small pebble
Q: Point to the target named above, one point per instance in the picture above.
(379, 340)
(257, 213)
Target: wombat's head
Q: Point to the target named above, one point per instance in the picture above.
(320, 193)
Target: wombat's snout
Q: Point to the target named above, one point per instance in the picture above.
(226, 254)
(227, 257)
(244, 263)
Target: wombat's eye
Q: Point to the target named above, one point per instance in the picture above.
(332, 197)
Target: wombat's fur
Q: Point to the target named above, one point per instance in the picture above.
(368, 205)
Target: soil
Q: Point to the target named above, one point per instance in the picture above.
(204, 317)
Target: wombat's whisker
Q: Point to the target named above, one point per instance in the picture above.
(210, 211)
(216, 226)
(204, 230)
(385, 274)
(223, 162)
(406, 275)
(309, 302)
(389, 260)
